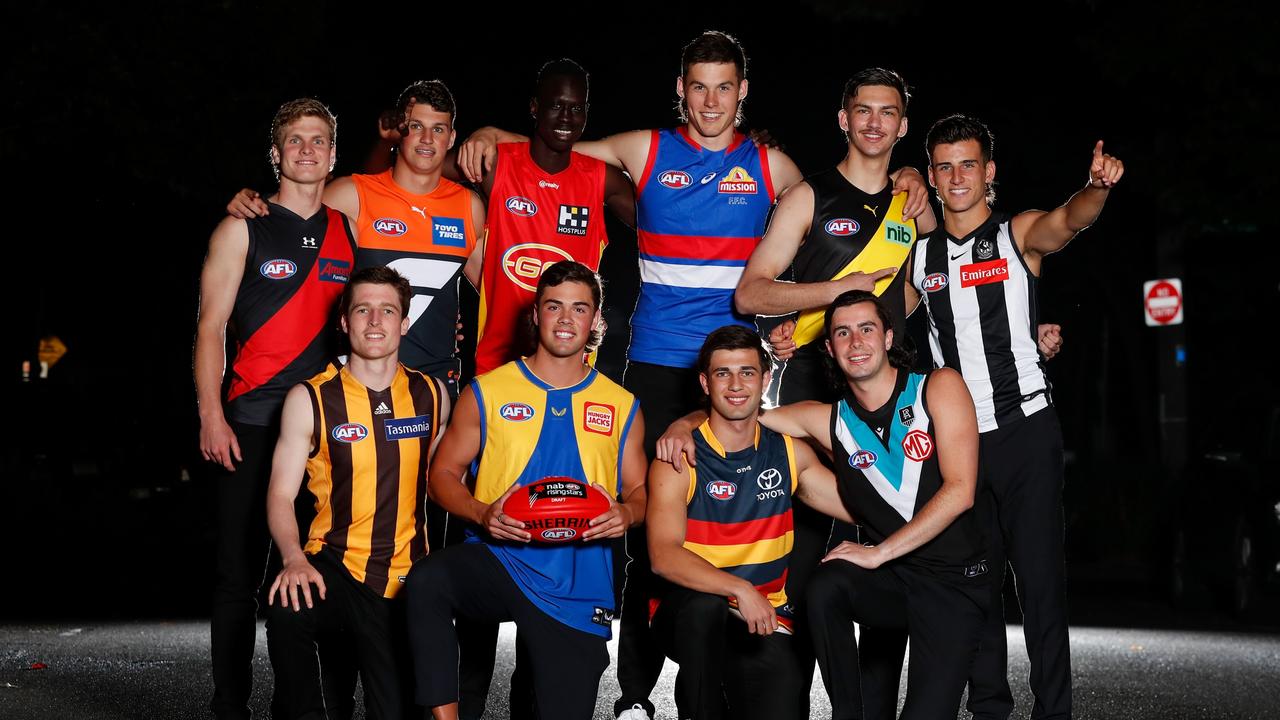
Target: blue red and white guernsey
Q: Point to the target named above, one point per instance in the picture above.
(295, 269)
(530, 430)
(699, 215)
(739, 513)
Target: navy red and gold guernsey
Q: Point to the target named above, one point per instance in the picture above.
(530, 430)
(739, 511)
(368, 473)
(295, 269)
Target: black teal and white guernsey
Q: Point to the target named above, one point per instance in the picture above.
(981, 300)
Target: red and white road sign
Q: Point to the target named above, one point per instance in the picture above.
(1162, 302)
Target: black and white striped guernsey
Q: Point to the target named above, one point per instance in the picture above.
(981, 300)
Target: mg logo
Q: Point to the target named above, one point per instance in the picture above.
(918, 445)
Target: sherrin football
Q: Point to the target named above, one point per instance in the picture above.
(556, 509)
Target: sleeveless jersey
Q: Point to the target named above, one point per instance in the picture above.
(294, 271)
(368, 473)
(427, 239)
(530, 430)
(535, 220)
(884, 483)
(853, 231)
(699, 215)
(981, 299)
(739, 516)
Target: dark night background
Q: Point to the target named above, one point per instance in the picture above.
(127, 128)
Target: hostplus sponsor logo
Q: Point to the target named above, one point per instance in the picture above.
(573, 220)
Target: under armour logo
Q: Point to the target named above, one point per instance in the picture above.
(419, 210)
(308, 242)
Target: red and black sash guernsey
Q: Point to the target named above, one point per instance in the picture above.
(294, 271)
(368, 473)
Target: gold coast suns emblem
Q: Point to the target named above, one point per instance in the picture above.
(525, 263)
(738, 182)
(597, 418)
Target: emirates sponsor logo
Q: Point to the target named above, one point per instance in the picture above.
(983, 273)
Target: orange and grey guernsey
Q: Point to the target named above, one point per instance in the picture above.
(368, 473)
(739, 511)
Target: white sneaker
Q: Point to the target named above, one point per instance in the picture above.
(635, 713)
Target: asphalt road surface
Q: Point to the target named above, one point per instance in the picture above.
(160, 670)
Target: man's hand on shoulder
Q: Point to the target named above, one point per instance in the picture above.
(297, 574)
(909, 180)
(247, 203)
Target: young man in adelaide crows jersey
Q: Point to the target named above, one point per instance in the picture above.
(274, 281)
(978, 276)
(362, 435)
(722, 532)
(546, 415)
(905, 448)
(703, 193)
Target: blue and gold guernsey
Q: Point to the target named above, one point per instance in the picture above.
(739, 512)
(699, 215)
(530, 430)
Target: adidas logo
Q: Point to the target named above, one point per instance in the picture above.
(382, 409)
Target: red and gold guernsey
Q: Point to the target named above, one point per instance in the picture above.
(535, 220)
(739, 512)
(426, 238)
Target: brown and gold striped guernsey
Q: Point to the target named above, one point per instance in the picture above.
(368, 473)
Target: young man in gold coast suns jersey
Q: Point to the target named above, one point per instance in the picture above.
(363, 434)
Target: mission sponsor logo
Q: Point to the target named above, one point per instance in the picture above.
(391, 227)
(674, 179)
(334, 271)
(525, 263)
(862, 460)
(722, 490)
(521, 206)
(448, 232)
(841, 227)
(934, 282)
(898, 233)
(515, 412)
(984, 273)
(418, 426)
(350, 433)
(918, 445)
(738, 182)
(278, 269)
(597, 418)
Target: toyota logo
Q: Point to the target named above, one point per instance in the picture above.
(769, 479)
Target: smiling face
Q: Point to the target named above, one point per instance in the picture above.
(710, 94)
(960, 175)
(375, 321)
(873, 119)
(734, 382)
(428, 134)
(305, 151)
(566, 314)
(560, 111)
(859, 342)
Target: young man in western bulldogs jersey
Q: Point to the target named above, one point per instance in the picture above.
(978, 277)
(722, 532)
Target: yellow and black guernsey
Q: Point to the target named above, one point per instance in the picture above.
(530, 430)
(853, 231)
(368, 473)
(739, 511)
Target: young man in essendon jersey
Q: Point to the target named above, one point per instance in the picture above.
(546, 415)
(978, 277)
(412, 219)
(722, 533)
(905, 451)
(362, 435)
(274, 280)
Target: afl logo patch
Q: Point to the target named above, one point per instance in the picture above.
(934, 282)
(722, 490)
(278, 269)
(559, 534)
(350, 433)
(390, 227)
(675, 179)
(842, 227)
(524, 207)
(516, 412)
(525, 263)
(918, 445)
(862, 460)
